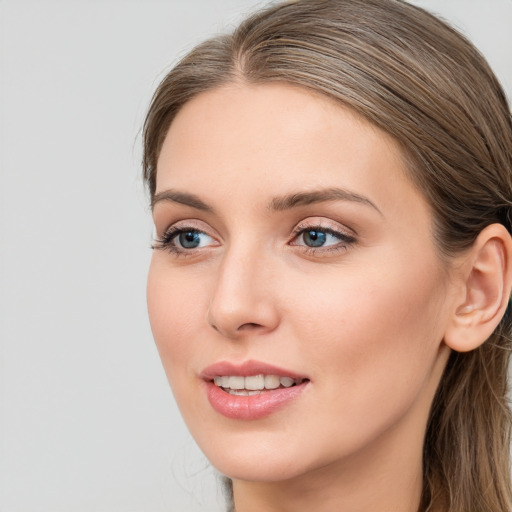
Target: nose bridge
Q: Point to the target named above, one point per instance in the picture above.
(243, 300)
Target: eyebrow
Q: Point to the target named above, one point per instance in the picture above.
(319, 196)
(182, 198)
(282, 203)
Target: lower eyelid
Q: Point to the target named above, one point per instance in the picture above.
(330, 250)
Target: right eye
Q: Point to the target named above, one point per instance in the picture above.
(182, 240)
(191, 239)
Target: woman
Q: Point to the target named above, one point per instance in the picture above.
(331, 190)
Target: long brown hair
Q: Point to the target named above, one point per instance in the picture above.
(422, 82)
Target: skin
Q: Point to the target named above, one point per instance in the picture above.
(363, 320)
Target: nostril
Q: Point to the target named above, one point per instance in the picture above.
(249, 326)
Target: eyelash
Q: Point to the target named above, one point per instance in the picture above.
(167, 240)
(345, 240)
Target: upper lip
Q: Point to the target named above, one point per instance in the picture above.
(246, 369)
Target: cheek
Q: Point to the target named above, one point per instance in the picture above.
(375, 333)
(174, 307)
(385, 300)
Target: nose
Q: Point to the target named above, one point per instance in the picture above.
(244, 300)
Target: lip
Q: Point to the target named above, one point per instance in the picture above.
(247, 369)
(252, 407)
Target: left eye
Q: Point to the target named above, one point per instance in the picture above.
(318, 238)
(191, 239)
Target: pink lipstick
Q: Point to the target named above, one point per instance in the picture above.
(250, 390)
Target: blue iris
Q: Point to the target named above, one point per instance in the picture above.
(314, 238)
(189, 239)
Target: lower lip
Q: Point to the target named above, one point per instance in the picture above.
(251, 407)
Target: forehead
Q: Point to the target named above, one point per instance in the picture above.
(241, 140)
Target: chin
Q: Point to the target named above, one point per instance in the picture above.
(265, 456)
(270, 470)
(254, 457)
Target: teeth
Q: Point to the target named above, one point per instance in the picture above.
(243, 392)
(286, 381)
(236, 382)
(256, 382)
(271, 381)
(252, 385)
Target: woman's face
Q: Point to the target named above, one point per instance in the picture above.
(295, 293)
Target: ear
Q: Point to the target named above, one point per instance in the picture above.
(485, 283)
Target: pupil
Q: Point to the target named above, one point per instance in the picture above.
(189, 240)
(314, 238)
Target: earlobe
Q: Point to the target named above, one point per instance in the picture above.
(486, 282)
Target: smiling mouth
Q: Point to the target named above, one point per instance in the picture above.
(254, 384)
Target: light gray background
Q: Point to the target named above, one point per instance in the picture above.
(87, 422)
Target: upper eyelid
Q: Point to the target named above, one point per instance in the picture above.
(184, 224)
(323, 223)
(173, 231)
(343, 237)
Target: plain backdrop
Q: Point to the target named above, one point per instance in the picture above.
(87, 421)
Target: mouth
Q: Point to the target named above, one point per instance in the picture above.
(254, 384)
(251, 390)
